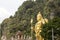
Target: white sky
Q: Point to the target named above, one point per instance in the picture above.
(8, 7)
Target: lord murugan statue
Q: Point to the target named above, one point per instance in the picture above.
(38, 26)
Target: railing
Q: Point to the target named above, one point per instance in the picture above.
(17, 38)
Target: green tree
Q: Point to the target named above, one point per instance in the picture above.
(47, 29)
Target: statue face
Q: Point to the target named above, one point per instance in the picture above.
(39, 17)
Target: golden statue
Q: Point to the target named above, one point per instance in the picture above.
(38, 26)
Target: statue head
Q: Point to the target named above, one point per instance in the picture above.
(39, 16)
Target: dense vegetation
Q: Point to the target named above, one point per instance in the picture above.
(47, 29)
(29, 9)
